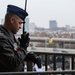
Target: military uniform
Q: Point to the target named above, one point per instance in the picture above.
(14, 53)
(11, 55)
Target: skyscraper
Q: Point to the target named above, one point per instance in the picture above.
(52, 24)
(32, 27)
(27, 24)
(2, 21)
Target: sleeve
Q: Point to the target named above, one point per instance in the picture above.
(10, 58)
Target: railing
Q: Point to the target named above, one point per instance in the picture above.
(41, 73)
(54, 55)
(46, 53)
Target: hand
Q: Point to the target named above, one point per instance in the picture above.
(35, 59)
(24, 40)
(38, 61)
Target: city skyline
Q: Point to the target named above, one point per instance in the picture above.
(41, 11)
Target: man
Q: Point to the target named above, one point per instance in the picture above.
(14, 53)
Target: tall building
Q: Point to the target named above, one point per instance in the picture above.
(67, 26)
(52, 24)
(2, 21)
(32, 27)
(27, 24)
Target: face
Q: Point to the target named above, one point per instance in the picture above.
(16, 23)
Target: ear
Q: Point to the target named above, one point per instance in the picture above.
(12, 19)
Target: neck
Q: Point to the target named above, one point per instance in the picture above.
(7, 26)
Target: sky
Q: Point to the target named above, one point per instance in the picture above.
(41, 11)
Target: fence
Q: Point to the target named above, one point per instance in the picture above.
(46, 53)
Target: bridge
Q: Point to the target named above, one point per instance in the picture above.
(58, 42)
(43, 39)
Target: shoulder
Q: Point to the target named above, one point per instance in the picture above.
(2, 32)
(2, 36)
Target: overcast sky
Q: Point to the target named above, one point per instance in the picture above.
(41, 11)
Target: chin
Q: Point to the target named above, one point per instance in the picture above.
(14, 32)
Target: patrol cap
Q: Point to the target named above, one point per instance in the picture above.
(17, 11)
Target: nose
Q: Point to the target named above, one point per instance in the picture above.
(19, 26)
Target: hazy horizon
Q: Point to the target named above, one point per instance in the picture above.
(41, 11)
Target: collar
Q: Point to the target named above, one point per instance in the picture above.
(6, 31)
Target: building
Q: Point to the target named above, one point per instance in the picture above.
(52, 24)
(32, 27)
(27, 24)
(2, 21)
